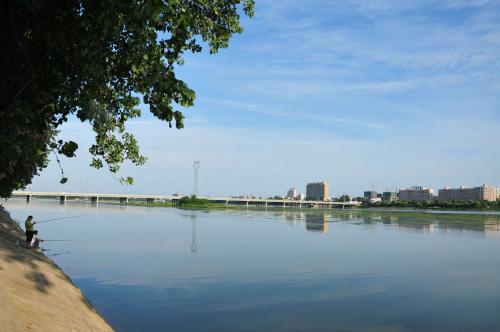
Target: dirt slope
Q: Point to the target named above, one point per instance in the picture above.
(35, 295)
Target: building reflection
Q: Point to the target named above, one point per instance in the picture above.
(317, 223)
(492, 231)
(294, 217)
(482, 225)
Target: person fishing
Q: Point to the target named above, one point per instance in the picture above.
(30, 231)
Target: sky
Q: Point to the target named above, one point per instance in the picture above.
(379, 94)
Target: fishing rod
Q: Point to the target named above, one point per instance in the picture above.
(54, 219)
(62, 240)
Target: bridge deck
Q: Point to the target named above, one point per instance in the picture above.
(253, 201)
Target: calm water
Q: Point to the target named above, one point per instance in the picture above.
(160, 269)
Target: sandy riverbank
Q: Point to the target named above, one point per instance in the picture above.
(35, 295)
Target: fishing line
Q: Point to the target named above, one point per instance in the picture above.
(41, 240)
(62, 240)
(65, 252)
(54, 219)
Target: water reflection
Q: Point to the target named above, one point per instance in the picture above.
(317, 223)
(194, 244)
(492, 230)
(412, 221)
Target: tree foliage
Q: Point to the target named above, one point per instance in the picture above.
(345, 198)
(193, 201)
(96, 60)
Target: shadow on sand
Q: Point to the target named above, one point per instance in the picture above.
(12, 241)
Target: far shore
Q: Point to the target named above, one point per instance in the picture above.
(288, 208)
(214, 206)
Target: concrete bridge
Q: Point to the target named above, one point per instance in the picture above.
(233, 201)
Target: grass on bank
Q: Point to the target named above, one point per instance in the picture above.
(438, 205)
(187, 202)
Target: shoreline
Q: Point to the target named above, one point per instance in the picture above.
(319, 209)
(214, 206)
(36, 294)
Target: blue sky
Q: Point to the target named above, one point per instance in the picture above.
(359, 93)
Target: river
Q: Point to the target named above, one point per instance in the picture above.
(167, 269)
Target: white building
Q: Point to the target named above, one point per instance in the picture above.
(292, 193)
(483, 193)
(416, 194)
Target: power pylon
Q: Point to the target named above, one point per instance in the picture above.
(196, 166)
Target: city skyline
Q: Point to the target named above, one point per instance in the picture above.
(387, 194)
(357, 94)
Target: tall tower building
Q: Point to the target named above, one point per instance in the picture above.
(317, 191)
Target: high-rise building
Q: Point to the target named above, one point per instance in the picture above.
(317, 191)
(368, 195)
(416, 194)
(389, 196)
(483, 193)
(292, 193)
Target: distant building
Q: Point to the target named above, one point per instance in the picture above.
(375, 199)
(389, 196)
(483, 193)
(416, 194)
(301, 197)
(292, 193)
(369, 195)
(317, 191)
(245, 197)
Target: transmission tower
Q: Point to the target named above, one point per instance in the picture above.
(196, 166)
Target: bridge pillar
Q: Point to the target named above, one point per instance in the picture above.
(62, 199)
(247, 204)
(94, 199)
(28, 198)
(227, 202)
(150, 200)
(123, 200)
